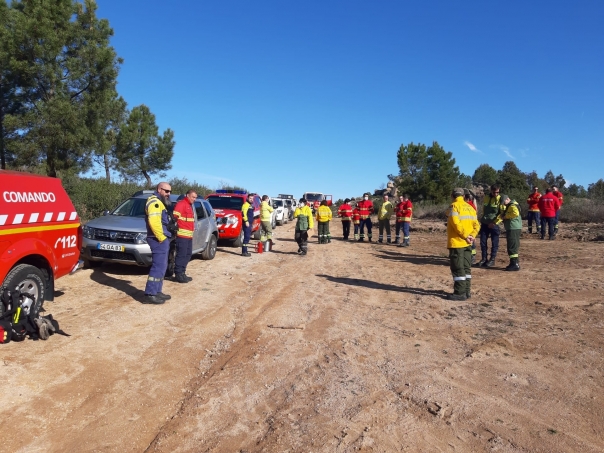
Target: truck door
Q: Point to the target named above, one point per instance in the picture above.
(201, 227)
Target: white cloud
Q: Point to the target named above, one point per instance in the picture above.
(504, 149)
(472, 147)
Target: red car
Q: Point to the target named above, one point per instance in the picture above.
(229, 218)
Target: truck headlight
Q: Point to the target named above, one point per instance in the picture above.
(230, 220)
(88, 232)
(140, 238)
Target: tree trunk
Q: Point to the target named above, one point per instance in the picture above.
(148, 178)
(107, 165)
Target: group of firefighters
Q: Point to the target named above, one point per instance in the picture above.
(463, 227)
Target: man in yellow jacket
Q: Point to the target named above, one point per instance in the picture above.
(384, 215)
(266, 228)
(324, 216)
(303, 214)
(462, 228)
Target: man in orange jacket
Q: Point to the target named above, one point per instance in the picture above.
(356, 219)
(365, 210)
(533, 210)
(404, 212)
(185, 218)
(345, 213)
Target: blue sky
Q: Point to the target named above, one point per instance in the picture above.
(295, 96)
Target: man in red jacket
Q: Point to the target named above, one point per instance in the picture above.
(185, 218)
(548, 207)
(556, 193)
(365, 209)
(345, 213)
(404, 212)
(533, 210)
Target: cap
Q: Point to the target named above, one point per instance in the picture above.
(503, 198)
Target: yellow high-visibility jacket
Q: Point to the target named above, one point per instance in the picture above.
(157, 218)
(305, 210)
(324, 214)
(265, 211)
(386, 211)
(461, 223)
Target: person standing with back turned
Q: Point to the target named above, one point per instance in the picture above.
(462, 228)
(157, 220)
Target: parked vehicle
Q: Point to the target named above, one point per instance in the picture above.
(291, 203)
(281, 212)
(120, 236)
(227, 205)
(315, 198)
(40, 238)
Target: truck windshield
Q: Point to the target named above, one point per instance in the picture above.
(234, 203)
(135, 207)
(277, 203)
(314, 196)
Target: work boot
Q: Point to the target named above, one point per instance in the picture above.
(153, 299)
(397, 241)
(468, 295)
(361, 240)
(530, 230)
(189, 279)
(370, 240)
(379, 240)
(329, 240)
(246, 254)
(473, 262)
(164, 296)
(514, 265)
(406, 243)
(482, 263)
(552, 238)
(181, 278)
(457, 297)
(490, 263)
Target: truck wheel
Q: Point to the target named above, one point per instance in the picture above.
(239, 241)
(30, 281)
(210, 252)
(257, 234)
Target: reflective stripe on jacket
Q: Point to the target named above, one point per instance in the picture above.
(157, 218)
(461, 223)
(265, 211)
(404, 211)
(386, 211)
(356, 216)
(324, 214)
(185, 218)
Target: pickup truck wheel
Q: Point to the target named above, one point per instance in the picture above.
(239, 241)
(257, 233)
(210, 252)
(30, 282)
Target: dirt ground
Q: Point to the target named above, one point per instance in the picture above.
(351, 348)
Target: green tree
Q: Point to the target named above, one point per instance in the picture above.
(511, 178)
(552, 180)
(484, 174)
(141, 151)
(596, 190)
(426, 172)
(65, 67)
(464, 181)
(575, 190)
(106, 123)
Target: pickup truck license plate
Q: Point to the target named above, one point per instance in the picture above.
(112, 247)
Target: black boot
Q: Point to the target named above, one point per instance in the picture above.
(491, 262)
(181, 278)
(406, 243)
(153, 299)
(458, 297)
(514, 265)
(482, 263)
(530, 231)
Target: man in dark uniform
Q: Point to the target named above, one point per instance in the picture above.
(247, 212)
(158, 239)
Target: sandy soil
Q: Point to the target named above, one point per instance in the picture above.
(351, 348)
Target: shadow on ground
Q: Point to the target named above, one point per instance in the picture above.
(413, 259)
(383, 286)
(124, 286)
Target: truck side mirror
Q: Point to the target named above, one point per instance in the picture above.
(106, 212)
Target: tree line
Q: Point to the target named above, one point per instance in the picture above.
(427, 173)
(60, 112)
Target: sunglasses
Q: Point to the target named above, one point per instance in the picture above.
(167, 190)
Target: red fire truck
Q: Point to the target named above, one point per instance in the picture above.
(40, 237)
(229, 218)
(315, 198)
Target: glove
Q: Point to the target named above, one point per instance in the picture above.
(45, 327)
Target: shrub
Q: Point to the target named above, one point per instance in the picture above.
(582, 210)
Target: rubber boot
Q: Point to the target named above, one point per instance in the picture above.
(406, 243)
(514, 265)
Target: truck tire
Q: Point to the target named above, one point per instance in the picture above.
(239, 241)
(257, 234)
(28, 279)
(210, 252)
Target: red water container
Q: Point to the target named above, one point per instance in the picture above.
(259, 247)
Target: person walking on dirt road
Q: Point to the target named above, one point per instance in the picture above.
(462, 228)
(384, 215)
(304, 223)
(345, 213)
(489, 227)
(185, 219)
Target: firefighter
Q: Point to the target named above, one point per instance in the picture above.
(304, 223)
(512, 221)
(185, 218)
(533, 210)
(266, 228)
(365, 210)
(462, 228)
(157, 221)
(404, 212)
(324, 216)
(247, 212)
(345, 213)
(549, 205)
(469, 198)
(489, 227)
(356, 220)
(384, 215)
(560, 198)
